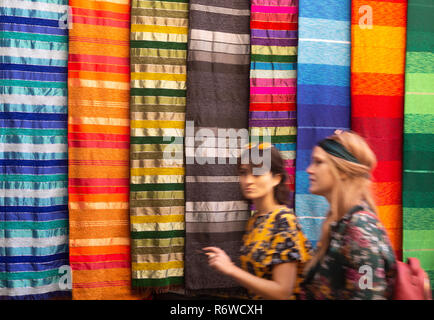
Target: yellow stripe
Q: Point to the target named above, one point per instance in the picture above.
(99, 84)
(273, 131)
(99, 121)
(158, 266)
(157, 124)
(162, 5)
(159, 53)
(164, 37)
(378, 37)
(158, 179)
(160, 21)
(143, 195)
(157, 171)
(158, 242)
(283, 51)
(159, 29)
(157, 274)
(156, 147)
(158, 219)
(378, 60)
(161, 226)
(158, 76)
(173, 101)
(99, 242)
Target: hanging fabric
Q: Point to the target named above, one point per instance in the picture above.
(273, 81)
(98, 140)
(33, 150)
(323, 95)
(217, 100)
(158, 90)
(377, 100)
(418, 162)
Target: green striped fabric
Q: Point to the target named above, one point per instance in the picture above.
(158, 94)
(418, 162)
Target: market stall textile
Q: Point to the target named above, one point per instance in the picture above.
(418, 161)
(323, 95)
(217, 100)
(98, 141)
(273, 81)
(33, 150)
(377, 100)
(158, 90)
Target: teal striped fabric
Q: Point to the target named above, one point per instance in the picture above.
(33, 149)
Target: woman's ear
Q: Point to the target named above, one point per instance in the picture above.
(277, 178)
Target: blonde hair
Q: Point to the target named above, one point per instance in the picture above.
(353, 181)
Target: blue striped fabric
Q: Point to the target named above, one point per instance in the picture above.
(323, 94)
(33, 149)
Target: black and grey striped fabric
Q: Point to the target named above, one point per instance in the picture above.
(217, 101)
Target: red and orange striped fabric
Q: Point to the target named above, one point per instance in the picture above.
(377, 94)
(98, 140)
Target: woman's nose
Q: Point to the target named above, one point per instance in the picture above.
(309, 169)
(249, 178)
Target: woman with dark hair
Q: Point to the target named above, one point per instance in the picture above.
(354, 258)
(275, 249)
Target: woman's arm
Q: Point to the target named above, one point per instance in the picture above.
(280, 287)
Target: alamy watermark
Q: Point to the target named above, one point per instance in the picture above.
(221, 146)
(65, 20)
(366, 280)
(366, 20)
(65, 280)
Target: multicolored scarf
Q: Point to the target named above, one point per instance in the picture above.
(33, 150)
(158, 90)
(323, 94)
(274, 37)
(377, 97)
(418, 162)
(217, 100)
(98, 140)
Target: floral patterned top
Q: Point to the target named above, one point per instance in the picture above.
(271, 239)
(359, 264)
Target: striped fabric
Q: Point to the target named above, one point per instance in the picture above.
(377, 96)
(323, 94)
(274, 33)
(33, 149)
(158, 90)
(418, 162)
(217, 99)
(98, 140)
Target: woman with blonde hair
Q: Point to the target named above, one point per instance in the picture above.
(354, 258)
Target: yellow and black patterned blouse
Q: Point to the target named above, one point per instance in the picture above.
(271, 239)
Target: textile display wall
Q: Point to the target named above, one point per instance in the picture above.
(217, 98)
(274, 38)
(377, 100)
(418, 162)
(98, 141)
(121, 122)
(323, 95)
(33, 149)
(158, 90)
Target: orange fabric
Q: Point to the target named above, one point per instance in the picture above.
(377, 97)
(98, 104)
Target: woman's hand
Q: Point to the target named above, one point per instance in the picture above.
(219, 260)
